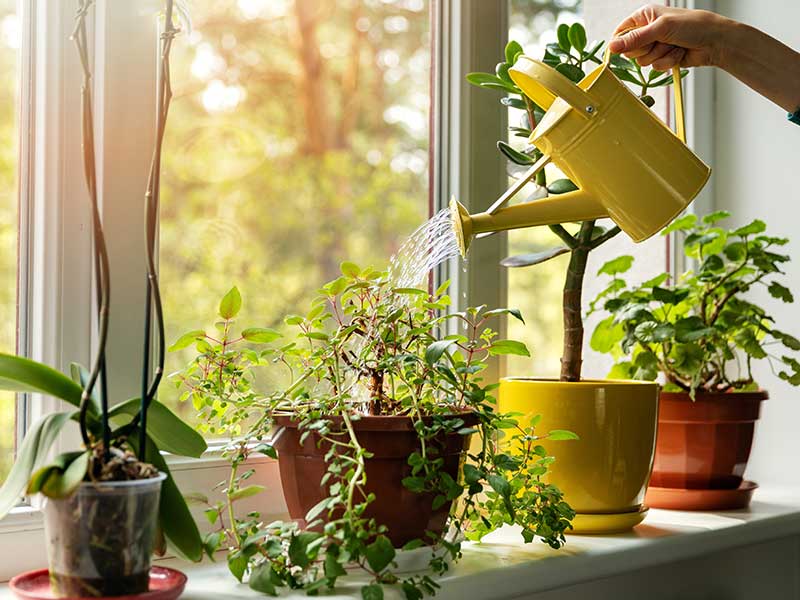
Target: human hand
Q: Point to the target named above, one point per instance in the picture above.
(666, 37)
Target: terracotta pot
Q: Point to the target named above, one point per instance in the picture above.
(391, 440)
(604, 474)
(704, 444)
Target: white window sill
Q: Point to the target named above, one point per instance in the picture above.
(671, 555)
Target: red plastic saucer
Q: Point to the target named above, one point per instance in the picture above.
(165, 584)
(699, 499)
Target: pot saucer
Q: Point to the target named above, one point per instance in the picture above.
(599, 523)
(165, 584)
(694, 499)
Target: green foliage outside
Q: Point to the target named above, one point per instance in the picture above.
(701, 331)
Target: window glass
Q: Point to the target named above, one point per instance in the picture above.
(536, 290)
(9, 86)
(298, 138)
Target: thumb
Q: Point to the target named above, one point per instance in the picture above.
(637, 38)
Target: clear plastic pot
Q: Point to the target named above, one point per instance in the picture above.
(100, 540)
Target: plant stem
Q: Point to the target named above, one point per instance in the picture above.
(572, 358)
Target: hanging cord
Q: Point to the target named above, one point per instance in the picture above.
(101, 266)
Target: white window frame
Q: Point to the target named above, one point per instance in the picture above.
(469, 36)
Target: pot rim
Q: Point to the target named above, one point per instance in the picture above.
(581, 383)
(749, 396)
(118, 485)
(382, 422)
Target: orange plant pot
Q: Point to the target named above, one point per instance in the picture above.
(704, 445)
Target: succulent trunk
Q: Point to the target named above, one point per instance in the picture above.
(572, 357)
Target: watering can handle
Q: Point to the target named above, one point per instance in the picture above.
(677, 87)
(542, 83)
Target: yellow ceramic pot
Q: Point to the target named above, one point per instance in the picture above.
(604, 475)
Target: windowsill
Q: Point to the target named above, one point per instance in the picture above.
(503, 567)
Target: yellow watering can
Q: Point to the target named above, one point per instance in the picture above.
(626, 163)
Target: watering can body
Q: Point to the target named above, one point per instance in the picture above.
(626, 163)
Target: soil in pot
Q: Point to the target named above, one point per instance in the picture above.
(100, 539)
(705, 443)
(391, 440)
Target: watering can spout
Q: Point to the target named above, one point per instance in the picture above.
(563, 208)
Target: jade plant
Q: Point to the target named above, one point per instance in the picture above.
(704, 330)
(367, 349)
(119, 442)
(572, 57)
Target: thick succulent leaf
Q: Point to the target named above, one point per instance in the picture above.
(166, 429)
(535, 258)
(30, 456)
(183, 537)
(18, 374)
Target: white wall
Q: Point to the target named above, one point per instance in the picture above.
(758, 176)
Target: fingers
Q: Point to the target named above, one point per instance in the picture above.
(672, 59)
(638, 38)
(657, 51)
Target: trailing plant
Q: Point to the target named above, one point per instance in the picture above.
(703, 331)
(571, 56)
(366, 348)
(119, 443)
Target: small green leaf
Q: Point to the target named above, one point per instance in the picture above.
(514, 312)
(562, 33)
(237, 564)
(187, 339)
(509, 347)
(435, 351)
(780, 292)
(559, 435)
(571, 72)
(260, 335)
(691, 329)
(261, 580)
(753, 228)
(350, 269)
(513, 49)
(246, 492)
(561, 186)
(231, 304)
(379, 553)
(683, 223)
(618, 265)
(372, 592)
(713, 217)
(606, 335)
(513, 155)
(577, 36)
(499, 484)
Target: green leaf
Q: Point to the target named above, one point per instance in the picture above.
(713, 217)
(514, 312)
(333, 568)
(380, 553)
(753, 228)
(561, 435)
(562, 33)
(561, 186)
(509, 347)
(528, 260)
(606, 335)
(618, 265)
(577, 36)
(372, 592)
(164, 427)
(780, 292)
(30, 455)
(260, 335)
(435, 351)
(684, 223)
(174, 517)
(237, 564)
(186, 340)
(789, 341)
(298, 548)
(19, 374)
(261, 580)
(513, 49)
(499, 484)
(80, 375)
(690, 329)
(246, 492)
(350, 269)
(231, 304)
(513, 155)
(62, 481)
(571, 72)
(487, 80)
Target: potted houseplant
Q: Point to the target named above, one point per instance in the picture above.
(111, 502)
(386, 437)
(604, 477)
(701, 333)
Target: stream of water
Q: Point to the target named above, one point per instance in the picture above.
(429, 246)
